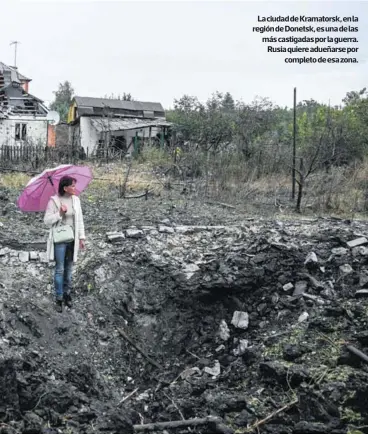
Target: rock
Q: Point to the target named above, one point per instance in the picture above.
(240, 320)
(224, 331)
(339, 251)
(215, 371)
(190, 372)
(311, 259)
(361, 293)
(303, 317)
(242, 418)
(166, 230)
(357, 242)
(190, 270)
(241, 348)
(346, 269)
(282, 374)
(33, 256)
(292, 352)
(288, 287)
(24, 256)
(134, 233)
(300, 287)
(43, 257)
(115, 237)
(363, 278)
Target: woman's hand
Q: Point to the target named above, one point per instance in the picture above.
(82, 244)
(63, 209)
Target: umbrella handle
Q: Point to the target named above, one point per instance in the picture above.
(51, 182)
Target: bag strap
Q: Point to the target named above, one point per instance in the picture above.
(58, 205)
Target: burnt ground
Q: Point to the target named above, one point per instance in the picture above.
(170, 284)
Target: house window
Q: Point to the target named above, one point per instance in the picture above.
(20, 131)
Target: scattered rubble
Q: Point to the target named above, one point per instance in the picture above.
(181, 325)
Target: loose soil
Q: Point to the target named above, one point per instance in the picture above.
(150, 336)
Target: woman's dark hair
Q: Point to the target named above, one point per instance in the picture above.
(66, 181)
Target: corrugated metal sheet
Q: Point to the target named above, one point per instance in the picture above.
(118, 104)
(105, 124)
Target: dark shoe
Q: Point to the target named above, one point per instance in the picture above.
(68, 300)
(59, 306)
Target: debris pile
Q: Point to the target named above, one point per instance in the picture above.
(255, 327)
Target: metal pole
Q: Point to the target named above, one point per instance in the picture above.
(15, 43)
(294, 145)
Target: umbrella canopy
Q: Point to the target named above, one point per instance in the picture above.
(39, 189)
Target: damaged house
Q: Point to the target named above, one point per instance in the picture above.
(23, 117)
(100, 123)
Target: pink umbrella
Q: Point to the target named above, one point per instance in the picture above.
(39, 189)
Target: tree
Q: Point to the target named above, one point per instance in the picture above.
(63, 99)
(124, 97)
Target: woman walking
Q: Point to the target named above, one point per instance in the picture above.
(64, 208)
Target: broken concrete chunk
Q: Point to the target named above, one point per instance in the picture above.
(33, 256)
(43, 257)
(363, 278)
(346, 269)
(300, 287)
(23, 256)
(311, 258)
(303, 317)
(224, 331)
(240, 320)
(134, 233)
(360, 250)
(190, 270)
(288, 286)
(215, 371)
(190, 372)
(362, 293)
(357, 242)
(339, 251)
(241, 348)
(166, 229)
(115, 236)
(184, 229)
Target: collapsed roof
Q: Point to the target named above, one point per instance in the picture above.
(14, 100)
(10, 74)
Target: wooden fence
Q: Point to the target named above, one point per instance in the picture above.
(38, 156)
(27, 153)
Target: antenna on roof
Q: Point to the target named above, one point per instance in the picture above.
(15, 43)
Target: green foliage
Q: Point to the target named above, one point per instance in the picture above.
(63, 98)
(326, 136)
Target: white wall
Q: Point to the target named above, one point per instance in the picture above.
(88, 135)
(36, 131)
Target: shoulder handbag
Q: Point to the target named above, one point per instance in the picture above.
(62, 233)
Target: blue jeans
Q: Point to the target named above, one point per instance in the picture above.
(63, 270)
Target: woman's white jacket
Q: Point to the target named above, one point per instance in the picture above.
(52, 217)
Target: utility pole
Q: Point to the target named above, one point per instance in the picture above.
(15, 43)
(294, 145)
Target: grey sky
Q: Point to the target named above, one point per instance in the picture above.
(159, 51)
